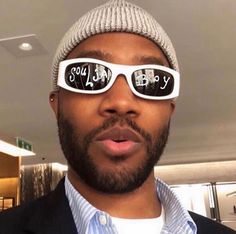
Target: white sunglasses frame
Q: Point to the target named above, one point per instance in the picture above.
(116, 70)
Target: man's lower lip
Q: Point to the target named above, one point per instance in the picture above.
(118, 148)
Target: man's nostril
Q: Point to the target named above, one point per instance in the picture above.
(111, 111)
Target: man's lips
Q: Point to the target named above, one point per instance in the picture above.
(118, 134)
(118, 141)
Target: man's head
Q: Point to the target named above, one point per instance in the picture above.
(113, 139)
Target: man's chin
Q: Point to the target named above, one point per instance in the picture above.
(116, 177)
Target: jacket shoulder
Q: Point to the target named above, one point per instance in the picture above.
(206, 225)
(48, 214)
(14, 219)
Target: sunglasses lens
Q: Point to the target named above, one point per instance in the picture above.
(87, 76)
(153, 82)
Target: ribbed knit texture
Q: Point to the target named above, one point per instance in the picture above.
(113, 16)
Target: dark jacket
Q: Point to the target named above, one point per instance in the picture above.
(51, 214)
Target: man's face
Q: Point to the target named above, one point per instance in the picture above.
(113, 140)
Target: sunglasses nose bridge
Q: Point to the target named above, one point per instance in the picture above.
(125, 77)
(121, 74)
(122, 71)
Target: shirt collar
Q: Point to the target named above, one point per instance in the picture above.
(177, 217)
(81, 209)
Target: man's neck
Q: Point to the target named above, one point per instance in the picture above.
(140, 203)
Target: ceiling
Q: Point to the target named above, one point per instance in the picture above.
(204, 35)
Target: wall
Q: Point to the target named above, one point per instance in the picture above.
(184, 177)
(9, 176)
(38, 180)
(197, 172)
(9, 166)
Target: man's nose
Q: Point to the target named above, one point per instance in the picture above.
(119, 100)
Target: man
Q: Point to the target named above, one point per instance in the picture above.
(115, 80)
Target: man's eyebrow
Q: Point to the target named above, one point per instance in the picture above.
(151, 60)
(97, 54)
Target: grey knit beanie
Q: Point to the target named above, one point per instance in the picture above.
(113, 16)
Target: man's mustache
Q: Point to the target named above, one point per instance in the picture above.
(121, 121)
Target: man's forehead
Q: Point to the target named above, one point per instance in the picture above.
(106, 56)
(95, 47)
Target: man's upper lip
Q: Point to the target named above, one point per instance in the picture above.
(118, 134)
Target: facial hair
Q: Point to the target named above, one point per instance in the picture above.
(75, 148)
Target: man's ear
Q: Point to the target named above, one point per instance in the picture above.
(53, 100)
(173, 103)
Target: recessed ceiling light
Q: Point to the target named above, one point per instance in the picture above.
(25, 46)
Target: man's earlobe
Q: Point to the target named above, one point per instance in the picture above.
(173, 104)
(53, 100)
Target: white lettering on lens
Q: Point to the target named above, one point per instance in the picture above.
(94, 77)
(157, 78)
(141, 80)
(87, 81)
(76, 71)
(166, 80)
(72, 75)
(100, 74)
(83, 71)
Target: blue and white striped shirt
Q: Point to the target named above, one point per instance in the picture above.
(89, 220)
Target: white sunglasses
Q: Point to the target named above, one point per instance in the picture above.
(93, 76)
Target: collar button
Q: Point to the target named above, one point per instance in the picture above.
(102, 220)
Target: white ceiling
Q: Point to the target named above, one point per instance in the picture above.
(204, 34)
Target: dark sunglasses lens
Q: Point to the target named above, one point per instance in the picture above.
(87, 76)
(153, 82)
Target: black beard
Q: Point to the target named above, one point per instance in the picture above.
(75, 149)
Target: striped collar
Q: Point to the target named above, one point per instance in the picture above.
(87, 218)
